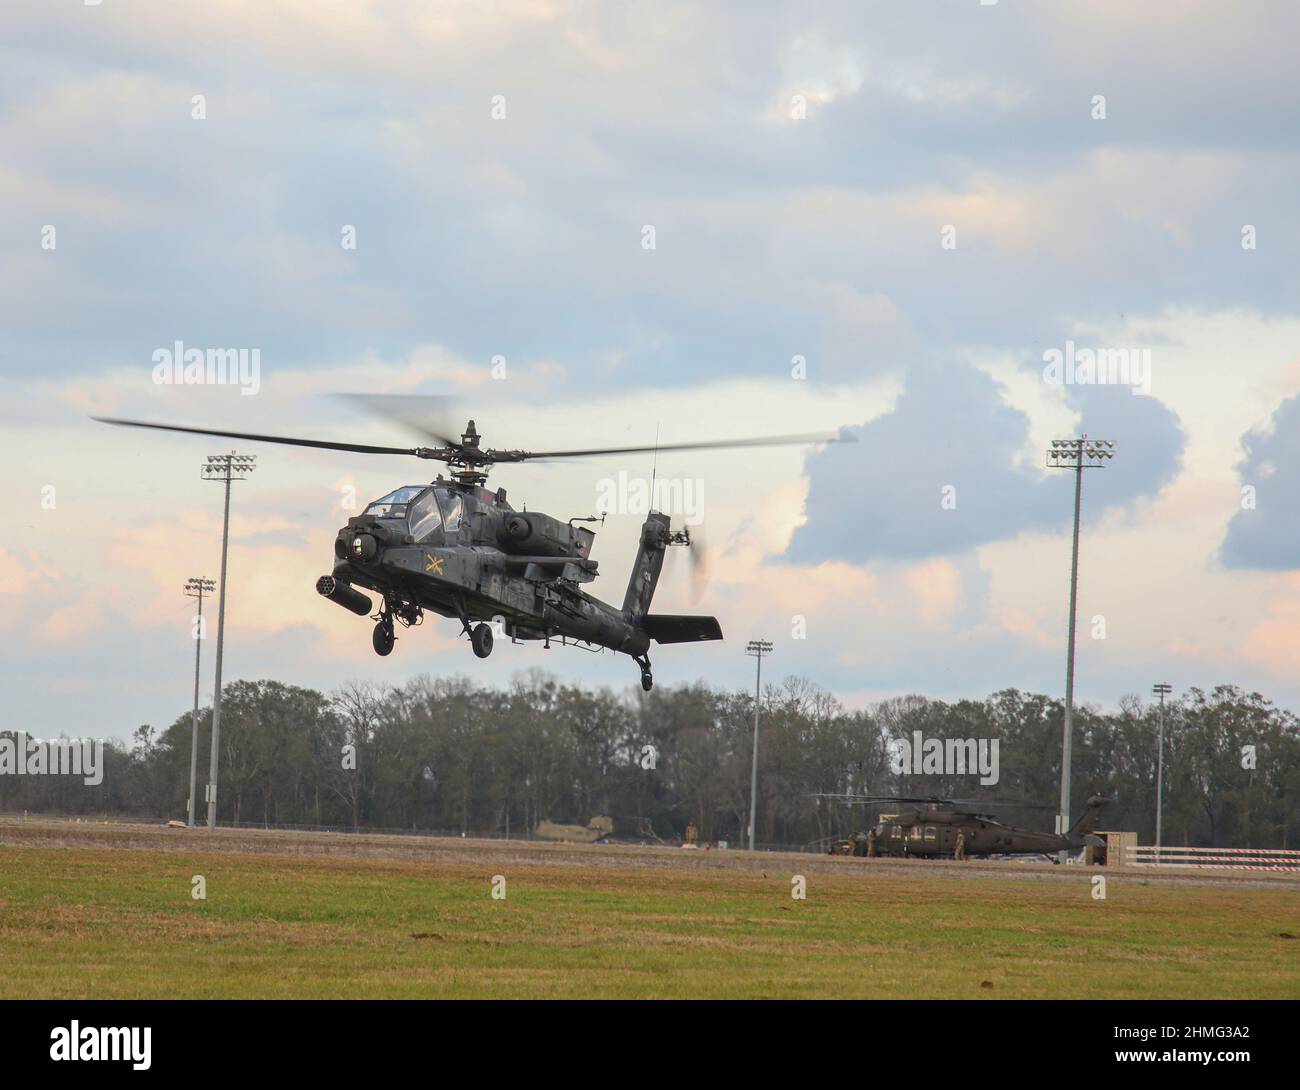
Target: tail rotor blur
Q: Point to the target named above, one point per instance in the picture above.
(700, 563)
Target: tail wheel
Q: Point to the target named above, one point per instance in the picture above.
(480, 639)
(647, 681)
(383, 638)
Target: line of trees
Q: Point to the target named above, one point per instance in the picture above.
(446, 754)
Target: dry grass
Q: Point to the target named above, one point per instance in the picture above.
(114, 923)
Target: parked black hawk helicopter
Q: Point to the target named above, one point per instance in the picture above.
(930, 826)
(454, 548)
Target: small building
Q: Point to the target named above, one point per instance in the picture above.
(1115, 851)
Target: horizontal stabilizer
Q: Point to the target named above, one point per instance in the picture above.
(668, 628)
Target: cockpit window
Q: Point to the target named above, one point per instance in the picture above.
(393, 506)
(424, 516)
(451, 510)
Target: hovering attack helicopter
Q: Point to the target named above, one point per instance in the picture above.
(464, 552)
(930, 826)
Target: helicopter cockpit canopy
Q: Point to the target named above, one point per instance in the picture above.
(434, 509)
(426, 509)
(393, 506)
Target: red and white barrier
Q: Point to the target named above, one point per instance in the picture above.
(1278, 859)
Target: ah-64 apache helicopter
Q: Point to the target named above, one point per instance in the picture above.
(457, 549)
(930, 827)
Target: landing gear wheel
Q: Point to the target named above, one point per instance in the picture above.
(647, 681)
(481, 640)
(383, 638)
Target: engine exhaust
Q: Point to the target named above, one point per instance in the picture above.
(344, 594)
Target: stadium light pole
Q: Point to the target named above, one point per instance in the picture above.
(196, 588)
(1078, 455)
(1161, 689)
(222, 467)
(757, 648)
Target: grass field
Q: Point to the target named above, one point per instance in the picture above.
(98, 922)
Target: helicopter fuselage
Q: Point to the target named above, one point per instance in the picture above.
(456, 549)
(464, 552)
(931, 830)
(934, 833)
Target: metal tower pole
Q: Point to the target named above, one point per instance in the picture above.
(1078, 455)
(757, 648)
(196, 588)
(1160, 689)
(216, 695)
(226, 468)
(1068, 739)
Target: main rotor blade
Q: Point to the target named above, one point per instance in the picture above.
(714, 444)
(840, 797)
(320, 444)
(1014, 804)
(425, 414)
(1018, 804)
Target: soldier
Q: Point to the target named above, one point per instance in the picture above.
(959, 853)
(871, 843)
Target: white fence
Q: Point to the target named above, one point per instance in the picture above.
(1147, 855)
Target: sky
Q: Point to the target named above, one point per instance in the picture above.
(605, 223)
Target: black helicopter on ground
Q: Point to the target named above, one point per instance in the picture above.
(457, 549)
(934, 827)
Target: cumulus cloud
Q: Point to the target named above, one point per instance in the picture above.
(1265, 531)
(943, 472)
